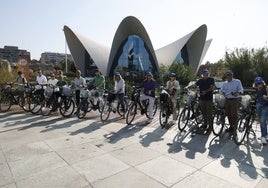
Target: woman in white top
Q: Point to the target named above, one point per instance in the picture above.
(119, 89)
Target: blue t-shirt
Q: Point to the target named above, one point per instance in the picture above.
(205, 84)
(260, 98)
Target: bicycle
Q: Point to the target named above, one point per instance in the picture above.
(166, 107)
(67, 102)
(191, 110)
(112, 104)
(50, 104)
(136, 104)
(36, 99)
(87, 102)
(219, 115)
(9, 98)
(246, 119)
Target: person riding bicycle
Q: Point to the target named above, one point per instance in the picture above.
(206, 85)
(52, 82)
(231, 90)
(173, 87)
(119, 89)
(262, 106)
(148, 85)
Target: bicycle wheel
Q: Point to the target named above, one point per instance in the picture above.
(67, 106)
(100, 104)
(131, 113)
(146, 106)
(5, 103)
(82, 110)
(164, 115)
(198, 115)
(120, 108)
(241, 130)
(155, 107)
(35, 104)
(24, 103)
(106, 110)
(183, 119)
(218, 122)
(46, 108)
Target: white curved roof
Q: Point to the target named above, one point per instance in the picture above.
(103, 56)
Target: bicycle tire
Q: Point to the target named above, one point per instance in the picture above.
(242, 128)
(198, 115)
(46, 107)
(35, 104)
(100, 104)
(218, 122)
(5, 103)
(131, 113)
(106, 110)
(164, 115)
(67, 106)
(82, 110)
(154, 108)
(119, 111)
(25, 105)
(183, 119)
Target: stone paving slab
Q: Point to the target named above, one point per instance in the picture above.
(37, 151)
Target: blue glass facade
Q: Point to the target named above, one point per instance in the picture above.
(134, 60)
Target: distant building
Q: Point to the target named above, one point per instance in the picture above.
(13, 54)
(132, 52)
(54, 58)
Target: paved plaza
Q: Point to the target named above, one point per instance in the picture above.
(38, 151)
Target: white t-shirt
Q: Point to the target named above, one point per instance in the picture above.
(119, 87)
(41, 80)
(54, 83)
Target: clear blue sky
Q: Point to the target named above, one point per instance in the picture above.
(36, 25)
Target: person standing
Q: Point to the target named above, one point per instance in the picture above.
(21, 82)
(262, 106)
(119, 89)
(79, 82)
(173, 87)
(206, 85)
(98, 82)
(41, 79)
(231, 90)
(149, 85)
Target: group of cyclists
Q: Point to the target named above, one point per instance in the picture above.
(231, 90)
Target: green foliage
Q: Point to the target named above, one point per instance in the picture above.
(184, 73)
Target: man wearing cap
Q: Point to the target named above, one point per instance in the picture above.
(148, 86)
(79, 82)
(173, 86)
(231, 89)
(206, 85)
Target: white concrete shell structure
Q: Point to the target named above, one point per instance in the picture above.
(193, 42)
(86, 52)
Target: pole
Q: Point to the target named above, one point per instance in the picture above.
(66, 69)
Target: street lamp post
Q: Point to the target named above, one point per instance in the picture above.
(66, 69)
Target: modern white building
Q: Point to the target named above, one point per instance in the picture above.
(132, 52)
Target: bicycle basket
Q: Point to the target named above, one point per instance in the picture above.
(191, 97)
(84, 93)
(164, 96)
(220, 100)
(48, 91)
(111, 97)
(67, 91)
(7, 89)
(245, 101)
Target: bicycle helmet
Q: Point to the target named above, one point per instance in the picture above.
(258, 80)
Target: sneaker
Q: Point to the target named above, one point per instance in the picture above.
(263, 141)
(174, 122)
